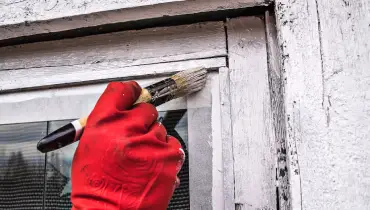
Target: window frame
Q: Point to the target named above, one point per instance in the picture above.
(245, 51)
(17, 105)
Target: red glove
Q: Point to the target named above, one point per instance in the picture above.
(124, 160)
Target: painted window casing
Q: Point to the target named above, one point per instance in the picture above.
(62, 74)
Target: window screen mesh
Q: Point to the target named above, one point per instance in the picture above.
(30, 182)
(21, 166)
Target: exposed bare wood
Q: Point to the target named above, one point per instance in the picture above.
(130, 48)
(11, 80)
(9, 29)
(300, 62)
(278, 110)
(325, 57)
(253, 135)
(227, 141)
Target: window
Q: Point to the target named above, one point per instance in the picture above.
(22, 167)
(189, 119)
(58, 165)
(43, 84)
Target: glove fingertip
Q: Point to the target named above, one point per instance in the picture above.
(129, 93)
(135, 87)
(173, 142)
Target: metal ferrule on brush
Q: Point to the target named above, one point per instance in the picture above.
(178, 85)
(158, 93)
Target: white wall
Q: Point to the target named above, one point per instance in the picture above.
(325, 61)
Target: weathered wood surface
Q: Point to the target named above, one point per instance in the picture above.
(326, 59)
(217, 157)
(8, 28)
(155, 45)
(46, 77)
(55, 103)
(227, 141)
(276, 84)
(253, 135)
(18, 11)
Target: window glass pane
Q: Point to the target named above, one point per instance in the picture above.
(21, 166)
(58, 173)
(176, 123)
(58, 185)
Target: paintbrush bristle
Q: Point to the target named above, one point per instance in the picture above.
(190, 81)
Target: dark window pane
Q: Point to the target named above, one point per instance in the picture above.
(59, 162)
(176, 123)
(58, 170)
(21, 166)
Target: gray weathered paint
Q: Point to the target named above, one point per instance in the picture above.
(200, 157)
(15, 11)
(278, 112)
(84, 18)
(126, 48)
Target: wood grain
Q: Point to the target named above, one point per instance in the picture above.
(81, 19)
(12, 80)
(253, 135)
(155, 45)
(326, 55)
(276, 84)
(301, 63)
(227, 140)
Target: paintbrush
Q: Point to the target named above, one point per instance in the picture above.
(178, 85)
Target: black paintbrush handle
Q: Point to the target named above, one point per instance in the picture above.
(61, 137)
(72, 131)
(156, 94)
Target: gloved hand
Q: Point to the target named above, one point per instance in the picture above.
(124, 159)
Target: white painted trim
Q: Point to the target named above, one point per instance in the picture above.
(217, 152)
(125, 48)
(30, 11)
(80, 74)
(227, 140)
(83, 20)
(252, 131)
